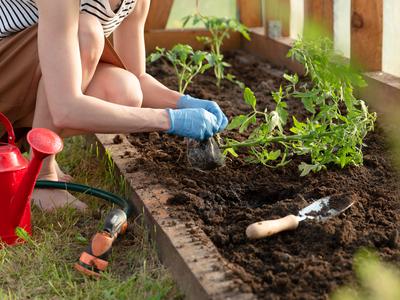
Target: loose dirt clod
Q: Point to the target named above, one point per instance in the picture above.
(117, 139)
(342, 200)
(154, 137)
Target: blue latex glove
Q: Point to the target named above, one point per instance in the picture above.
(188, 101)
(195, 123)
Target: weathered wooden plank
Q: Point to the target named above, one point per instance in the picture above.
(318, 15)
(194, 261)
(158, 14)
(382, 94)
(367, 34)
(274, 50)
(250, 12)
(277, 10)
(169, 38)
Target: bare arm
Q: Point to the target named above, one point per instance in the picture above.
(130, 46)
(61, 68)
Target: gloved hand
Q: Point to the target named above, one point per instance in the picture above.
(195, 123)
(188, 101)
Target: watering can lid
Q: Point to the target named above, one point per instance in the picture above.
(11, 158)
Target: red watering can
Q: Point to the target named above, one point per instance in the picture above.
(18, 177)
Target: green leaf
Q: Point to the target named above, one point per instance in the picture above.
(182, 52)
(232, 78)
(230, 151)
(22, 234)
(205, 68)
(308, 104)
(198, 57)
(277, 96)
(81, 239)
(154, 57)
(297, 123)
(294, 79)
(240, 84)
(298, 127)
(185, 20)
(274, 155)
(237, 122)
(247, 123)
(307, 168)
(249, 98)
(282, 112)
(245, 33)
(211, 58)
(204, 39)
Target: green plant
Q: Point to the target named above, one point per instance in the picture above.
(220, 29)
(377, 280)
(187, 63)
(336, 124)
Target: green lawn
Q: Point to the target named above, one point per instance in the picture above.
(43, 267)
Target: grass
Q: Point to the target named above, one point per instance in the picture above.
(42, 268)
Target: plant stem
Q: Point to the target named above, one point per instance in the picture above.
(275, 139)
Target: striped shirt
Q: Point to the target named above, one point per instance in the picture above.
(17, 15)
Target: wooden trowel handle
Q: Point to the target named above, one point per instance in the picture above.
(267, 228)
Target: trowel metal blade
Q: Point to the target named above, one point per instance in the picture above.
(323, 209)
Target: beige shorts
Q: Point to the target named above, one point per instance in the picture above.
(20, 74)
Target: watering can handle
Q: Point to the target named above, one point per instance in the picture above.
(9, 129)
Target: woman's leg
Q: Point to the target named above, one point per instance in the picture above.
(115, 85)
(100, 80)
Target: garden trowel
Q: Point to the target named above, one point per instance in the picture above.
(319, 210)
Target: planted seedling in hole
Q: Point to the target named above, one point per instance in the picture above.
(334, 129)
(186, 62)
(204, 155)
(220, 29)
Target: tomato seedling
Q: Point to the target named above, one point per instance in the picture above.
(334, 129)
(220, 29)
(187, 63)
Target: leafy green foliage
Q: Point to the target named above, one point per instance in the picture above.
(220, 29)
(187, 63)
(378, 280)
(336, 124)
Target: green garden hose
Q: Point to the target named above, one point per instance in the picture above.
(124, 204)
(94, 259)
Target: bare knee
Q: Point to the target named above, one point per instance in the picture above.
(130, 90)
(91, 43)
(116, 85)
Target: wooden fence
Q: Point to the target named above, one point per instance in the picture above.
(366, 37)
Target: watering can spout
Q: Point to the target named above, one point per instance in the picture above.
(44, 143)
(18, 177)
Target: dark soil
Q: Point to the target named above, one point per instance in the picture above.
(315, 259)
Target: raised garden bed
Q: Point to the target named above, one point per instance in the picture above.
(308, 263)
